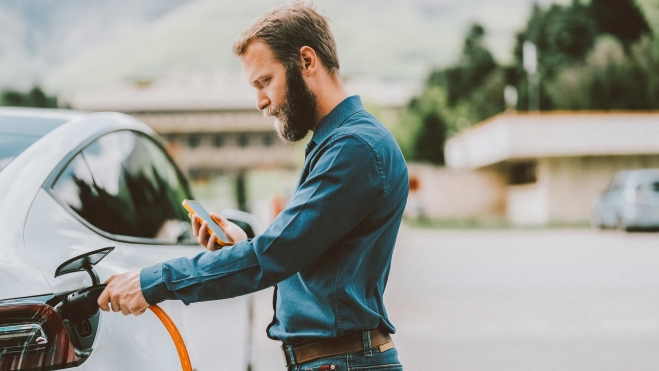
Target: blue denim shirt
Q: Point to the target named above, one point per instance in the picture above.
(329, 252)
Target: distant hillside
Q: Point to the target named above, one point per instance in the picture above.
(71, 44)
(38, 37)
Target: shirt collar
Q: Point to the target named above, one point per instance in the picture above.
(335, 118)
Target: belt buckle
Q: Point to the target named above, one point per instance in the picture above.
(283, 355)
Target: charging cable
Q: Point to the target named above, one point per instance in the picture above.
(176, 337)
(82, 305)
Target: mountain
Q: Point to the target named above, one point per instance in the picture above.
(72, 44)
(38, 37)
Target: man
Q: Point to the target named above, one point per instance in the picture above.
(329, 252)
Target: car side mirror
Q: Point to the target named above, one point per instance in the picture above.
(246, 221)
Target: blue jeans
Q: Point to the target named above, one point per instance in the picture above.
(369, 360)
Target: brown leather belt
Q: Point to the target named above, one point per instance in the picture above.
(349, 343)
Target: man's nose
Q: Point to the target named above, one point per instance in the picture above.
(262, 101)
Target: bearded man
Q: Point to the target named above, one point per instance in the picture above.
(328, 254)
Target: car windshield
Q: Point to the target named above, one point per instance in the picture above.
(18, 132)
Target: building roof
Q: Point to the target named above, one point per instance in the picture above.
(513, 136)
(213, 92)
(197, 92)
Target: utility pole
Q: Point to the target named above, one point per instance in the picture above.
(530, 62)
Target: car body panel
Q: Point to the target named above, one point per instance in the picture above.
(20, 275)
(20, 181)
(54, 236)
(626, 204)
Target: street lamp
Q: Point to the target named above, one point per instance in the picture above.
(530, 62)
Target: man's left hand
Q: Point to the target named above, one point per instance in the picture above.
(124, 294)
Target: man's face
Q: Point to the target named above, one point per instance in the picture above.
(280, 92)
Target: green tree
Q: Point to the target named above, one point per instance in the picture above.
(34, 98)
(563, 35)
(429, 143)
(588, 56)
(610, 78)
(620, 18)
(454, 98)
(475, 64)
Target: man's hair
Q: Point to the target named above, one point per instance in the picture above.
(288, 28)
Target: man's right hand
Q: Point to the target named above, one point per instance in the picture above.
(200, 228)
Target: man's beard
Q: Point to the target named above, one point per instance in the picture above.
(295, 117)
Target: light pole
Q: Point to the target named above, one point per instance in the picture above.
(530, 62)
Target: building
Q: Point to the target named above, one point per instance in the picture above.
(554, 165)
(210, 122)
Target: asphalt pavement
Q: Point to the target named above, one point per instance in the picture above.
(538, 299)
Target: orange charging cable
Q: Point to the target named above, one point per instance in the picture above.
(176, 337)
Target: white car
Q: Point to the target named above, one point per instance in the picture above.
(72, 183)
(631, 202)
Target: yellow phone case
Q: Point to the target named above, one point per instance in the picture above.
(208, 231)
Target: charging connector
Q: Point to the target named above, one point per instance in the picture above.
(81, 305)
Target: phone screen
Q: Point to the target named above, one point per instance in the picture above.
(196, 208)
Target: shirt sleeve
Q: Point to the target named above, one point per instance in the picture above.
(343, 187)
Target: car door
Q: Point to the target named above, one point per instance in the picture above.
(142, 190)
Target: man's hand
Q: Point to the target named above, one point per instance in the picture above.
(200, 227)
(124, 293)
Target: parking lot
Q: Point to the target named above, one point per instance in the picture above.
(537, 299)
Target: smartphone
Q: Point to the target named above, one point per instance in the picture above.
(195, 207)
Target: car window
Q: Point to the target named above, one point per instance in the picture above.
(17, 133)
(11, 145)
(76, 188)
(140, 187)
(649, 183)
(649, 186)
(27, 125)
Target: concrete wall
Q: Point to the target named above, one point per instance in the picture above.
(456, 194)
(528, 204)
(567, 188)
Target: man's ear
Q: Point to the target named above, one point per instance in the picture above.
(309, 60)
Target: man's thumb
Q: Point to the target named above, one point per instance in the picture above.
(220, 220)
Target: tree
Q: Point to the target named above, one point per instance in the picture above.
(585, 56)
(610, 78)
(454, 98)
(429, 143)
(620, 18)
(34, 98)
(475, 64)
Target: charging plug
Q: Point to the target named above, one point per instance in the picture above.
(81, 305)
